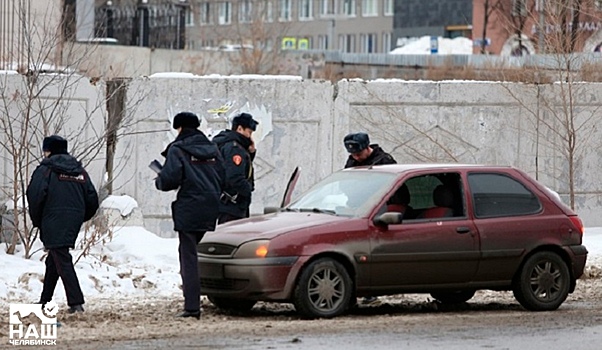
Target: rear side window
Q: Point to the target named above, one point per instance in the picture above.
(495, 195)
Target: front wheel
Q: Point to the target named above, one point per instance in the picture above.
(323, 289)
(543, 282)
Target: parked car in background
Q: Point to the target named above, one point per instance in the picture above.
(447, 230)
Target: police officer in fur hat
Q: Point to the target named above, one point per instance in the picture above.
(193, 166)
(61, 198)
(238, 149)
(361, 152)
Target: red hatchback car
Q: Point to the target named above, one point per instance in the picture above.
(444, 229)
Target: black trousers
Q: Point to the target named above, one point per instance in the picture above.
(189, 269)
(59, 263)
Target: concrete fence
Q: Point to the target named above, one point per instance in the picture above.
(303, 122)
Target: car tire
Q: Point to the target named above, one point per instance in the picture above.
(453, 297)
(323, 290)
(543, 283)
(232, 305)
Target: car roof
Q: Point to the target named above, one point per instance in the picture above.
(398, 168)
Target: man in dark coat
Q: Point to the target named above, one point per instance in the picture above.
(61, 198)
(361, 152)
(193, 166)
(238, 151)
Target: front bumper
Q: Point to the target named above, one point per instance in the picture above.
(254, 279)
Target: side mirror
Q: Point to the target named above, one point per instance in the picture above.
(388, 219)
(270, 210)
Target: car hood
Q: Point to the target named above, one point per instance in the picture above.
(268, 226)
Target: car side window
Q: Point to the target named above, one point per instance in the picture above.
(495, 195)
(429, 196)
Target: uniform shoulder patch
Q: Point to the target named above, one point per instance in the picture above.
(237, 159)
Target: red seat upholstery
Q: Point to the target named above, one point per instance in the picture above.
(399, 200)
(443, 198)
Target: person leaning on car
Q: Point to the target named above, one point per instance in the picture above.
(238, 151)
(193, 166)
(61, 198)
(361, 152)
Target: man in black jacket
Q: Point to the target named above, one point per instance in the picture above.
(363, 153)
(193, 166)
(238, 151)
(61, 198)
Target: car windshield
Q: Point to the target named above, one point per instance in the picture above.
(346, 193)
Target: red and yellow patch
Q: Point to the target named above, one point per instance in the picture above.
(237, 159)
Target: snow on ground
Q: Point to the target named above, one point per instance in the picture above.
(135, 264)
(446, 46)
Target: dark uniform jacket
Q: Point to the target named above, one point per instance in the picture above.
(377, 157)
(61, 197)
(194, 166)
(238, 164)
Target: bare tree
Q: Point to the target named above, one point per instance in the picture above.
(45, 99)
(489, 7)
(563, 122)
(254, 37)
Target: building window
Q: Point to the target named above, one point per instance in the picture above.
(389, 10)
(305, 9)
(327, 7)
(599, 4)
(245, 11)
(347, 42)
(225, 13)
(323, 42)
(368, 42)
(205, 12)
(189, 17)
(266, 11)
(348, 7)
(519, 8)
(285, 10)
(190, 44)
(386, 42)
(370, 8)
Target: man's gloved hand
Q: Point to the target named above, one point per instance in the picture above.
(225, 197)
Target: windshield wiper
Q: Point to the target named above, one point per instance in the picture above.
(291, 209)
(318, 210)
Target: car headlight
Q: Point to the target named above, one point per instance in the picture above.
(253, 249)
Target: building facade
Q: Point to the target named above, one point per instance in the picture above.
(358, 26)
(512, 27)
(445, 18)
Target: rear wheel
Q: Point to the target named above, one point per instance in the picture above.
(543, 283)
(229, 304)
(323, 289)
(453, 297)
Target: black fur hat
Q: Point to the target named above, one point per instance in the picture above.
(355, 143)
(186, 120)
(245, 120)
(54, 144)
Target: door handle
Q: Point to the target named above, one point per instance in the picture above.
(462, 229)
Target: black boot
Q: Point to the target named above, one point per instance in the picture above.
(196, 314)
(75, 308)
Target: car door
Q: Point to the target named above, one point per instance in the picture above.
(423, 251)
(510, 220)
